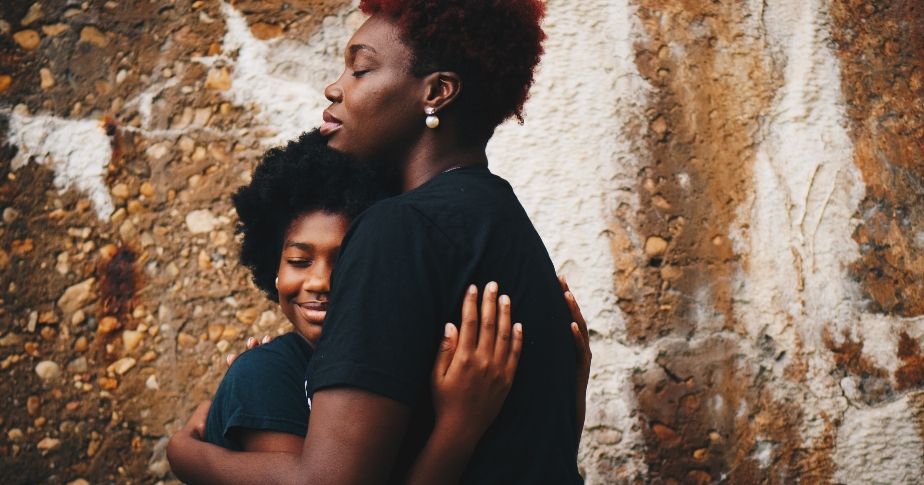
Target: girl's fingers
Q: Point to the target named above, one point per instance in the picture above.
(516, 347)
(579, 341)
(584, 355)
(504, 330)
(446, 351)
(468, 332)
(576, 314)
(488, 329)
(563, 282)
(577, 335)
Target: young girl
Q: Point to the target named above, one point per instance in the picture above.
(293, 217)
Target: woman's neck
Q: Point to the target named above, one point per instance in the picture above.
(431, 159)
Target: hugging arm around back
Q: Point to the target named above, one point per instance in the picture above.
(362, 405)
(473, 372)
(349, 443)
(370, 370)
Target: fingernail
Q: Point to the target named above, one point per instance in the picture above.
(492, 286)
(228, 359)
(518, 327)
(504, 300)
(472, 289)
(447, 330)
(251, 341)
(266, 339)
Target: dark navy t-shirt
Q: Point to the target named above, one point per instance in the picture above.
(403, 269)
(264, 389)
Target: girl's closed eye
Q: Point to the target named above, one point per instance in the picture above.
(300, 262)
(361, 72)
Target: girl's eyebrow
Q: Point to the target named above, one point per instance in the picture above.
(299, 245)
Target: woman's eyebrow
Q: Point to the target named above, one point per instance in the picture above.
(355, 48)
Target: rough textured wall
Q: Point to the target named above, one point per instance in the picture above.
(734, 188)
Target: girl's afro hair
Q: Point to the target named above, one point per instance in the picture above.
(302, 176)
(494, 45)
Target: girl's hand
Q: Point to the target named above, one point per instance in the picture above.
(251, 343)
(475, 365)
(582, 342)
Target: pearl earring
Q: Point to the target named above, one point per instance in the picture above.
(277, 281)
(432, 120)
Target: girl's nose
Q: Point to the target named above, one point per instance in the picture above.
(318, 281)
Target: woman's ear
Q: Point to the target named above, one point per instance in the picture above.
(443, 87)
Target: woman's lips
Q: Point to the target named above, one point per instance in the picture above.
(331, 124)
(328, 128)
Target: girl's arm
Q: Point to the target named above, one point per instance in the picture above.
(473, 372)
(582, 342)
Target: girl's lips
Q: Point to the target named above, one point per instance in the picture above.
(313, 311)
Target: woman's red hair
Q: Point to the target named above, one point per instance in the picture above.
(494, 45)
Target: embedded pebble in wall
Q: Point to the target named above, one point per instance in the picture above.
(33, 14)
(27, 39)
(47, 78)
(48, 370)
(93, 36)
(9, 215)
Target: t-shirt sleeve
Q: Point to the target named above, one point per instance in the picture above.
(387, 305)
(263, 390)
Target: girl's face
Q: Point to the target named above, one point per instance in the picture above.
(309, 250)
(376, 104)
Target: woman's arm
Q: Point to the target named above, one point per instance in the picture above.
(472, 375)
(196, 461)
(271, 441)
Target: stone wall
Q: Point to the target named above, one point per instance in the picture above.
(735, 190)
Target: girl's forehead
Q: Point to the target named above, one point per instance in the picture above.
(318, 225)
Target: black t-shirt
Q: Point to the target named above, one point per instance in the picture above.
(403, 269)
(265, 389)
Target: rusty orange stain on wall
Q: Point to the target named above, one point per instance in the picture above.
(879, 45)
(119, 281)
(712, 85)
(874, 383)
(911, 373)
(713, 81)
(706, 412)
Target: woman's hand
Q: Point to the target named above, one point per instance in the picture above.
(475, 365)
(583, 355)
(181, 460)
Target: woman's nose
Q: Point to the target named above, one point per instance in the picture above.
(333, 93)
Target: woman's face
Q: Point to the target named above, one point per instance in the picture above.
(376, 104)
(309, 251)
